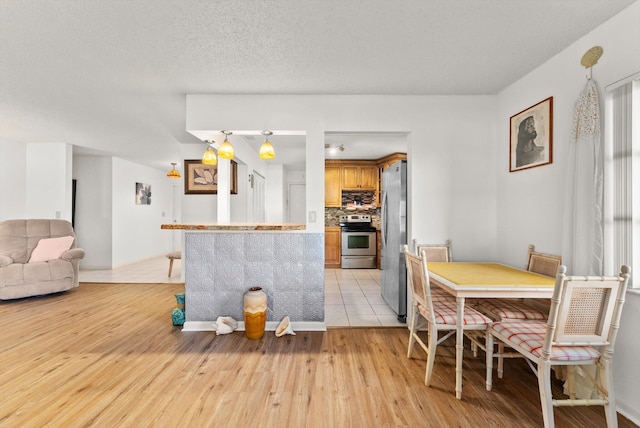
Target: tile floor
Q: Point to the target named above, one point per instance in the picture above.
(352, 299)
(153, 270)
(352, 296)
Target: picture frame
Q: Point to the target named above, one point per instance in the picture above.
(531, 136)
(143, 194)
(201, 179)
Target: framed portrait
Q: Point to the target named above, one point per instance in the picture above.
(531, 136)
(143, 194)
(201, 179)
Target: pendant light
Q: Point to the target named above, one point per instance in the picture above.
(209, 156)
(225, 151)
(266, 150)
(174, 173)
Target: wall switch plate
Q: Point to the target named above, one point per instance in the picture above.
(58, 214)
(313, 217)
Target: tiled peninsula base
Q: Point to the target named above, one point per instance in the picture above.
(221, 266)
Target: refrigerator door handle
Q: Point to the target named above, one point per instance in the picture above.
(385, 219)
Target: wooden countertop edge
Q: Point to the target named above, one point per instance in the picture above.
(265, 226)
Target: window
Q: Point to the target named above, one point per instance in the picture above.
(622, 169)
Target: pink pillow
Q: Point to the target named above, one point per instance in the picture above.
(50, 248)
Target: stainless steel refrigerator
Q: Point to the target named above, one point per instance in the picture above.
(393, 275)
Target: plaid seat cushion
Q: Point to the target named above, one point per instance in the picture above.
(506, 309)
(438, 293)
(529, 335)
(445, 313)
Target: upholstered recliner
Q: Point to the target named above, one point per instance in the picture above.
(51, 268)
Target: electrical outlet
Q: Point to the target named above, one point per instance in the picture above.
(312, 217)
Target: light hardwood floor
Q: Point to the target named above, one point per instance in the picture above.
(106, 355)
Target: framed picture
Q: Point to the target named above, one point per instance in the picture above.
(201, 179)
(531, 136)
(143, 194)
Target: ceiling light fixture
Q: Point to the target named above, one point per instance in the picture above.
(266, 150)
(209, 156)
(333, 150)
(225, 151)
(174, 173)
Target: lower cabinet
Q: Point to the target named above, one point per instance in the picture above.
(332, 247)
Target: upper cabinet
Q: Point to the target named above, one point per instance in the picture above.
(386, 161)
(332, 188)
(354, 175)
(359, 177)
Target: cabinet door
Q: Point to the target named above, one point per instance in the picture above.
(351, 177)
(368, 178)
(332, 190)
(332, 247)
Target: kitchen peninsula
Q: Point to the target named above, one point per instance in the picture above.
(222, 261)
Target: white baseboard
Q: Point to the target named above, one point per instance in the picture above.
(627, 413)
(271, 326)
(199, 326)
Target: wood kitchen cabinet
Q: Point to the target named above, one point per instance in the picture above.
(359, 177)
(332, 188)
(332, 247)
(384, 162)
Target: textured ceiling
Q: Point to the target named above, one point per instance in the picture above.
(112, 75)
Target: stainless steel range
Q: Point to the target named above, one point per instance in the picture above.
(358, 242)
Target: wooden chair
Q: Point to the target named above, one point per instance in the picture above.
(439, 315)
(435, 253)
(517, 309)
(544, 264)
(580, 331)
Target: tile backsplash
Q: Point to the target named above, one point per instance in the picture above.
(332, 216)
(358, 198)
(359, 202)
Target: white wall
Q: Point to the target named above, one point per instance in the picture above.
(94, 210)
(451, 139)
(530, 202)
(35, 180)
(240, 202)
(111, 227)
(275, 194)
(48, 180)
(293, 176)
(136, 231)
(626, 376)
(203, 208)
(13, 174)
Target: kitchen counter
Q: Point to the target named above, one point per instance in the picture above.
(234, 226)
(222, 261)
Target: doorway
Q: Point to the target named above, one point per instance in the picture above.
(297, 202)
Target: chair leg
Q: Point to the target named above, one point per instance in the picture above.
(571, 381)
(489, 351)
(500, 359)
(412, 329)
(170, 267)
(546, 400)
(431, 353)
(606, 380)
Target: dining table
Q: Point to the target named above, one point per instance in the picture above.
(489, 281)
